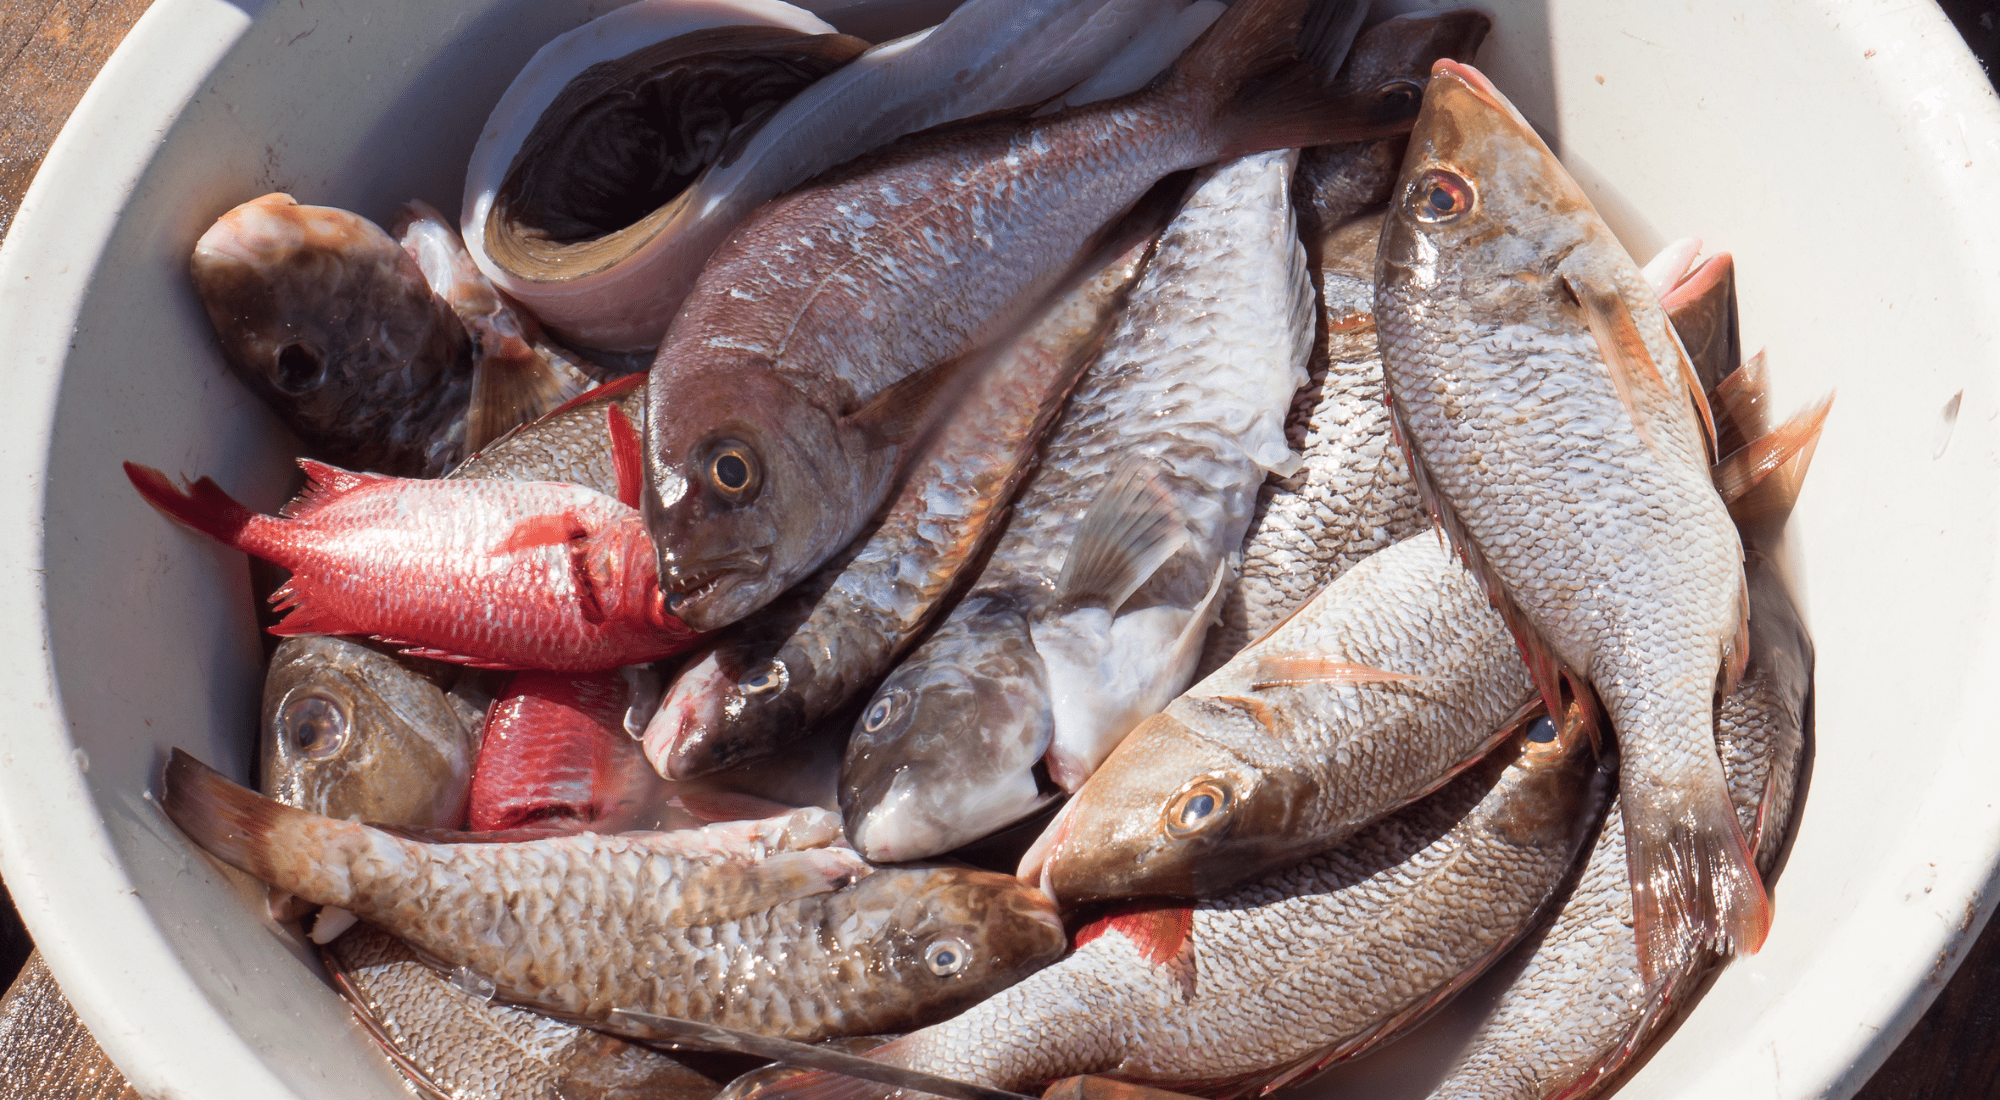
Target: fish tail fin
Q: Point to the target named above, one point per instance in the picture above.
(1261, 74)
(1763, 477)
(309, 855)
(1694, 881)
(202, 506)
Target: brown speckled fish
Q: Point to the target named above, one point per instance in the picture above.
(1579, 1009)
(787, 389)
(1558, 436)
(744, 924)
(1307, 966)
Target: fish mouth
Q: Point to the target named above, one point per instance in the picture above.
(691, 594)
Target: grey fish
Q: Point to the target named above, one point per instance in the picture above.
(1392, 61)
(1090, 610)
(1381, 688)
(349, 731)
(811, 351)
(1307, 966)
(1557, 434)
(745, 924)
(791, 664)
(1353, 496)
(1579, 1009)
(456, 1045)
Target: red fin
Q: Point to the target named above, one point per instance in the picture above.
(1286, 669)
(1163, 935)
(1789, 448)
(1740, 401)
(625, 456)
(324, 485)
(1694, 883)
(203, 506)
(610, 391)
(536, 532)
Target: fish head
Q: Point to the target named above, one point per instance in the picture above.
(1482, 210)
(750, 487)
(949, 748)
(324, 314)
(728, 705)
(1175, 812)
(1392, 60)
(351, 732)
(944, 938)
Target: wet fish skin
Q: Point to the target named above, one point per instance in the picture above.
(745, 924)
(1179, 419)
(1294, 768)
(554, 754)
(412, 562)
(1579, 1010)
(1354, 495)
(791, 664)
(569, 444)
(775, 427)
(327, 319)
(1391, 60)
(1305, 966)
(349, 731)
(1602, 538)
(458, 1045)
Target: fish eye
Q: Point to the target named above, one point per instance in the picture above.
(1439, 196)
(1398, 98)
(313, 724)
(880, 711)
(300, 368)
(947, 955)
(769, 678)
(733, 471)
(1542, 731)
(1198, 807)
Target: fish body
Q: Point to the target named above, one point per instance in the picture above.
(352, 732)
(456, 1044)
(1093, 602)
(1302, 967)
(1557, 435)
(568, 444)
(554, 754)
(790, 665)
(1386, 684)
(485, 573)
(804, 361)
(749, 924)
(330, 321)
(1353, 495)
(1580, 1008)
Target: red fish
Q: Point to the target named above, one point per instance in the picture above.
(555, 754)
(485, 573)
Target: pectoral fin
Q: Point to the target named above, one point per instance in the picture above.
(1631, 366)
(904, 410)
(509, 390)
(1131, 529)
(1290, 669)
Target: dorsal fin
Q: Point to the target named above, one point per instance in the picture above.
(1163, 935)
(324, 485)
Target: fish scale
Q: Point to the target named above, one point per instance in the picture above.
(1512, 323)
(1303, 964)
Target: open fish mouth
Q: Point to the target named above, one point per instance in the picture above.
(693, 595)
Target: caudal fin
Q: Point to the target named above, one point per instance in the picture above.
(202, 505)
(1260, 76)
(284, 846)
(1694, 884)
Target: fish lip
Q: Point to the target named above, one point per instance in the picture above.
(687, 592)
(1474, 81)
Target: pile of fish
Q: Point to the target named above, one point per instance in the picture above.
(1106, 537)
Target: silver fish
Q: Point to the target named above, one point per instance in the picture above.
(1557, 434)
(1307, 966)
(1090, 611)
(745, 924)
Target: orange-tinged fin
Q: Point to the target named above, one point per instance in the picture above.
(324, 485)
(1625, 356)
(1163, 935)
(252, 833)
(711, 806)
(1669, 268)
(1763, 478)
(511, 387)
(1694, 881)
(1131, 529)
(904, 410)
(1702, 310)
(610, 391)
(1741, 402)
(625, 457)
(1289, 669)
(203, 506)
(537, 532)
